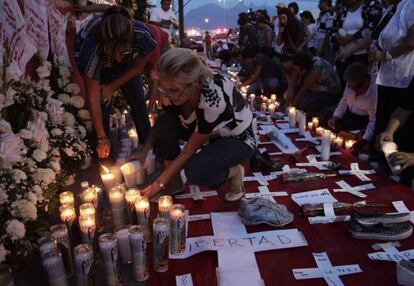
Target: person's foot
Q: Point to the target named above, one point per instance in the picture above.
(236, 188)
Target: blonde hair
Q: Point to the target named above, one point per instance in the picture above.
(183, 66)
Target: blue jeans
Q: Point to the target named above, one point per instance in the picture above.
(133, 92)
(210, 166)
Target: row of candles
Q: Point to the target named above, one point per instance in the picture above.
(169, 226)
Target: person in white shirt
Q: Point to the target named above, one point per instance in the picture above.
(356, 110)
(164, 17)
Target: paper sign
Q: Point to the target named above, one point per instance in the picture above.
(390, 253)
(283, 142)
(313, 197)
(198, 217)
(184, 280)
(325, 270)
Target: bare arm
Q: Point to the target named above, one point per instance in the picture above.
(133, 71)
(254, 76)
(94, 101)
(405, 46)
(308, 82)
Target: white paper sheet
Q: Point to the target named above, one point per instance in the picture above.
(184, 280)
(356, 191)
(283, 143)
(313, 197)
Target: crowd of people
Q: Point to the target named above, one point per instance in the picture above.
(352, 67)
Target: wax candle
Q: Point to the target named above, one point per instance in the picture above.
(164, 206)
(90, 196)
(310, 125)
(339, 141)
(302, 122)
(108, 248)
(83, 264)
(55, 269)
(349, 144)
(272, 108)
(130, 197)
(129, 171)
(108, 179)
(140, 175)
(87, 209)
(67, 214)
(161, 235)
(264, 106)
(140, 267)
(319, 130)
(273, 97)
(116, 171)
(117, 202)
(150, 163)
(87, 226)
(292, 116)
(315, 122)
(389, 148)
(142, 208)
(66, 199)
(326, 145)
(178, 224)
(252, 98)
(122, 235)
(132, 134)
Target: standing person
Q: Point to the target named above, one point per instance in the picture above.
(208, 108)
(293, 34)
(294, 8)
(309, 21)
(324, 25)
(395, 53)
(111, 52)
(355, 20)
(208, 42)
(275, 20)
(264, 36)
(164, 17)
(247, 35)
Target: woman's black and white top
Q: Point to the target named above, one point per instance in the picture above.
(223, 112)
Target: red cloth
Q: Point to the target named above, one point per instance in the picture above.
(161, 38)
(276, 265)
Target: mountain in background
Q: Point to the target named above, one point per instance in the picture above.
(218, 16)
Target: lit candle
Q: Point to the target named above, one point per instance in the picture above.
(108, 179)
(87, 226)
(66, 199)
(272, 108)
(315, 122)
(129, 172)
(349, 144)
(140, 174)
(339, 141)
(310, 125)
(252, 97)
(117, 202)
(178, 224)
(87, 209)
(319, 130)
(116, 171)
(122, 235)
(264, 106)
(164, 206)
(67, 214)
(292, 116)
(333, 137)
(161, 235)
(326, 145)
(132, 134)
(302, 122)
(100, 195)
(273, 97)
(130, 197)
(90, 196)
(142, 208)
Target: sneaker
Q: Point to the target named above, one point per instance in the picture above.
(392, 231)
(370, 219)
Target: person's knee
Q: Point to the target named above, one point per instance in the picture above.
(196, 170)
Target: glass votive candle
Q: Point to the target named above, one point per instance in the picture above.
(66, 199)
(142, 208)
(87, 209)
(315, 122)
(67, 214)
(164, 206)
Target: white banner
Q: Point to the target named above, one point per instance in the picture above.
(57, 27)
(35, 12)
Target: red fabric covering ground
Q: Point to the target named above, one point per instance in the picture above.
(276, 265)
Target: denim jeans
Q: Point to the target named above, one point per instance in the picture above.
(133, 92)
(210, 166)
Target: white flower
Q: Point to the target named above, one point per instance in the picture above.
(43, 145)
(77, 101)
(89, 126)
(55, 165)
(15, 229)
(12, 74)
(72, 88)
(84, 114)
(26, 134)
(39, 155)
(69, 130)
(18, 176)
(46, 176)
(55, 152)
(3, 253)
(3, 196)
(69, 119)
(25, 210)
(65, 98)
(31, 196)
(31, 164)
(82, 132)
(56, 132)
(4, 126)
(44, 70)
(64, 72)
(69, 152)
(42, 115)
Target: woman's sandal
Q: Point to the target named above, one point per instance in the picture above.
(232, 197)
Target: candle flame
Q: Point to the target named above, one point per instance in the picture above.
(106, 170)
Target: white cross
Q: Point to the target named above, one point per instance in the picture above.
(279, 139)
(320, 165)
(356, 191)
(401, 208)
(236, 248)
(262, 150)
(262, 180)
(265, 193)
(325, 270)
(196, 194)
(319, 149)
(329, 217)
(196, 217)
(390, 253)
(356, 171)
(308, 137)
